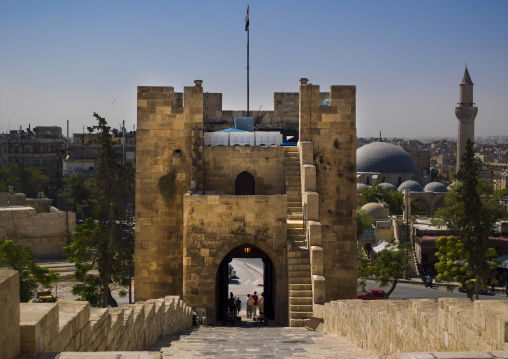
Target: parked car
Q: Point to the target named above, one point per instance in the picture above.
(45, 297)
(471, 284)
(372, 294)
(231, 272)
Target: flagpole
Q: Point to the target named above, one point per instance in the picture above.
(248, 30)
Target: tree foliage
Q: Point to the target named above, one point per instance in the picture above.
(31, 276)
(363, 221)
(24, 179)
(453, 263)
(77, 195)
(391, 264)
(471, 211)
(394, 199)
(103, 248)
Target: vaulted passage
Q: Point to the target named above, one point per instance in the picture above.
(245, 184)
(222, 281)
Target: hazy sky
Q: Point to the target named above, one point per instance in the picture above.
(64, 60)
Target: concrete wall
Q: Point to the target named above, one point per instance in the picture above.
(46, 233)
(389, 327)
(222, 165)
(215, 225)
(332, 130)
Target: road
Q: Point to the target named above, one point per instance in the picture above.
(249, 277)
(418, 290)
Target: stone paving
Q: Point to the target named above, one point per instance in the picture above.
(257, 342)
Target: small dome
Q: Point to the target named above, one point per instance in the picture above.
(413, 186)
(388, 186)
(360, 186)
(376, 211)
(436, 187)
(383, 157)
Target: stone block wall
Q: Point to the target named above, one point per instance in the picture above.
(169, 141)
(215, 225)
(46, 233)
(222, 165)
(9, 314)
(332, 131)
(73, 326)
(390, 327)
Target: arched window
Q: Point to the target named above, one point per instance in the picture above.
(367, 179)
(245, 184)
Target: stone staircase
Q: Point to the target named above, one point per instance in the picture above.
(300, 286)
(413, 266)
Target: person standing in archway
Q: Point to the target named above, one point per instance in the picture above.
(231, 305)
(250, 306)
(255, 305)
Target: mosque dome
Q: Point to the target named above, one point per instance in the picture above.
(413, 186)
(360, 186)
(383, 157)
(376, 211)
(388, 186)
(436, 187)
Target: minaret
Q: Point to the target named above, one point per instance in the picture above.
(466, 113)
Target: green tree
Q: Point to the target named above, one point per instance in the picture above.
(363, 221)
(471, 211)
(104, 243)
(391, 264)
(394, 199)
(76, 195)
(31, 276)
(26, 180)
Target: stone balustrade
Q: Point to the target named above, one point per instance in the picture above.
(73, 326)
(418, 325)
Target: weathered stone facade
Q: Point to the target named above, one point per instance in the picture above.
(46, 233)
(181, 248)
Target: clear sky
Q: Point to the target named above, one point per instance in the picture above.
(64, 60)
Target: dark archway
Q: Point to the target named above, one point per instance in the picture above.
(245, 184)
(269, 277)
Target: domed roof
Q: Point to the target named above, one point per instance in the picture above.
(376, 211)
(388, 186)
(436, 187)
(412, 185)
(360, 186)
(383, 157)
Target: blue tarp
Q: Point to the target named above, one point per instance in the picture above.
(232, 130)
(244, 123)
(325, 102)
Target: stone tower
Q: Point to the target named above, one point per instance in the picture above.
(466, 113)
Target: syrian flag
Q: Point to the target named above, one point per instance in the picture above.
(247, 19)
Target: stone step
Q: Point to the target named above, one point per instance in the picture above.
(300, 301)
(298, 286)
(301, 308)
(294, 200)
(300, 280)
(299, 261)
(290, 149)
(293, 184)
(293, 178)
(294, 209)
(299, 243)
(298, 323)
(296, 215)
(300, 293)
(295, 234)
(293, 194)
(298, 267)
(298, 253)
(294, 223)
(292, 174)
(299, 273)
(300, 315)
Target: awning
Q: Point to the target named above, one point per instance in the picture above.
(382, 245)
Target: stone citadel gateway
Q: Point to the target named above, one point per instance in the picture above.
(200, 205)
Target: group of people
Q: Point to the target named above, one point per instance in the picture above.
(253, 303)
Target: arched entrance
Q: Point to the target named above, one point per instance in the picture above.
(222, 282)
(245, 184)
